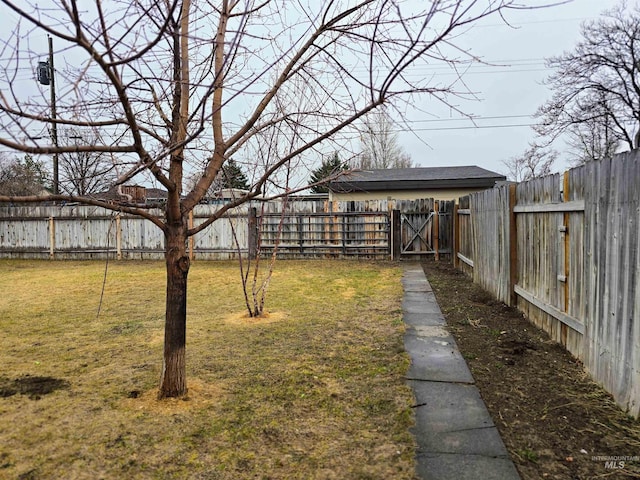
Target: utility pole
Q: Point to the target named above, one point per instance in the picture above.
(54, 124)
(46, 76)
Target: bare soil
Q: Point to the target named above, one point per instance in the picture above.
(553, 418)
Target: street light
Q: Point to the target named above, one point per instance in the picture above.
(46, 77)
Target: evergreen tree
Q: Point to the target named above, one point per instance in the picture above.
(330, 166)
(232, 176)
(26, 176)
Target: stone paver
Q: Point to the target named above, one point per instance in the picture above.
(456, 437)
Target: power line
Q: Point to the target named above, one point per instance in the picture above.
(471, 127)
(536, 22)
(436, 129)
(470, 118)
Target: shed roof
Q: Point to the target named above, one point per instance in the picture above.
(424, 178)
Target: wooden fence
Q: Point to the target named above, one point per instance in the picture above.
(83, 232)
(327, 235)
(564, 250)
(305, 229)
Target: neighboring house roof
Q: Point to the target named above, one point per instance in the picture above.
(426, 178)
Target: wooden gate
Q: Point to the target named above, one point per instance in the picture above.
(424, 227)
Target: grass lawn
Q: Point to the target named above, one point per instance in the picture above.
(314, 391)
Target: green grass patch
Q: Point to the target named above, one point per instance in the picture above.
(314, 391)
(528, 455)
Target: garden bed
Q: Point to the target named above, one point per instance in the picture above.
(555, 422)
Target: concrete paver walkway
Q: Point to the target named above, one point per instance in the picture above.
(456, 436)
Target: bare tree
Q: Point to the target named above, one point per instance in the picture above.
(596, 87)
(379, 144)
(591, 141)
(84, 172)
(180, 86)
(594, 138)
(535, 162)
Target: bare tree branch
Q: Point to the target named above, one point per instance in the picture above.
(596, 87)
(174, 89)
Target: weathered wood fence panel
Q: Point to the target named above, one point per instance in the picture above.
(550, 231)
(426, 227)
(221, 239)
(324, 229)
(140, 239)
(305, 229)
(82, 232)
(332, 235)
(445, 227)
(417, 221)
(464, 235)
(489, 210)
(24, 231)
(574, 267)
(612, 224)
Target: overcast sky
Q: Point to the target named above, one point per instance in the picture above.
(509, 93)
(509, 90)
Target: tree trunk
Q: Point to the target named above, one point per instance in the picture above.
(173, 382)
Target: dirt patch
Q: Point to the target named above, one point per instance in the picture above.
(200, 395)
(555, 421)
(33, 387)
(243, 319)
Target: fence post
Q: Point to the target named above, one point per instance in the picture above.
(253, 232)
(436, 230)
(564, 330)
(301, 233)
(327, 225)
(344, 235)
(52, 238)
(455, 248)
(118, 238)
(513, 247)
(395, 235)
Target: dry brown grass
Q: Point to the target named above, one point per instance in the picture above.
(316, 390)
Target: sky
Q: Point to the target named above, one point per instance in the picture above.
(509, 89)
(509, 92)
